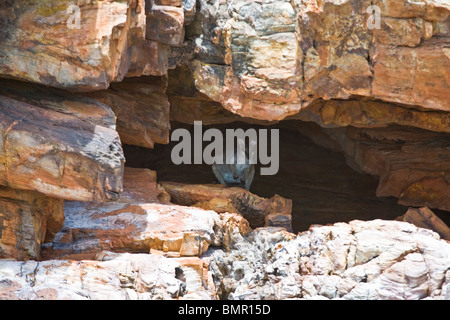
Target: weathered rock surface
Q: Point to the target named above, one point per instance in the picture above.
(258, 211)
(373, 91)
(141, 108)
(61, 145)
(413, 165)
(138, 222)
(165, 24)
(360, 261)
(415, 76)
(372, 114)
(27, 220)
(115, 277)
(425, 218)
(81, 48)
(269, 60)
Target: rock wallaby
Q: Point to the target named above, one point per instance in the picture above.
(233, 173)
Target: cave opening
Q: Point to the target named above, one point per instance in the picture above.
(323, 188)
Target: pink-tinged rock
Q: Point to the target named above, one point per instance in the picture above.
(142, 110)
(114, 277)
(425, 218)
(27, 220)
(49, 145)
(416, 76)
(165, 24)
(258, 211)
(138, 222)
(80, 48)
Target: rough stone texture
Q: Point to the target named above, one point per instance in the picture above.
(235, 60)
(37, 44)
(63, 146)
(27, 220)
(268, 60)
(165, 24)
(425, 218)
(258, 211)
(149, 58)
(138, 222)
(360, 261)
(142, 110)
(115, 277)
(413, 165)
(372, 114)
(417, 76)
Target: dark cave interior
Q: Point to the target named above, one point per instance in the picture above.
(323, 188)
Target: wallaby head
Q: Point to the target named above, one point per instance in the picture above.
(235, 171)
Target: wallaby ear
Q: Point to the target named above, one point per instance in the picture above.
(253, 151)
(230, 156)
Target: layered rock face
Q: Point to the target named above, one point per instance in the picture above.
(79, 78)
(340, 261)
(79, 45)
(272, 59)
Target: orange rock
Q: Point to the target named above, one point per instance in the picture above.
(50, 145)
(137, 222)
(142, 110)
(413, 165)
(258, 211)
(410, 76)
(425, 218)
(27, 220)
(370, 113)
(44, 43)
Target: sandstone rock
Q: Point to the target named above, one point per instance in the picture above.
(62, 146)
(360, 261)
(118, 277)
(412, 164)
(142, 110)
(140, 186)
(149, 58)
(425, 218)
(433, 10)
(60, 101)
(165, 24)
(272, 59)
(258, 44)
(410, 76)
(49, 43)
(258, 211)
(372, 114)
(136, 223)
(27, 220)
(188, 105)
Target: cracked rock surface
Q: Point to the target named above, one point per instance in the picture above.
(359, 260)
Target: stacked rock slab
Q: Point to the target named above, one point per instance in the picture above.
(53, 145)
(269, 60)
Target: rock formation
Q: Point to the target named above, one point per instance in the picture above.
(258, 211)
(82, 80)
(359, 260)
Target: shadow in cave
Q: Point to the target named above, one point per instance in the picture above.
(323, 188)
